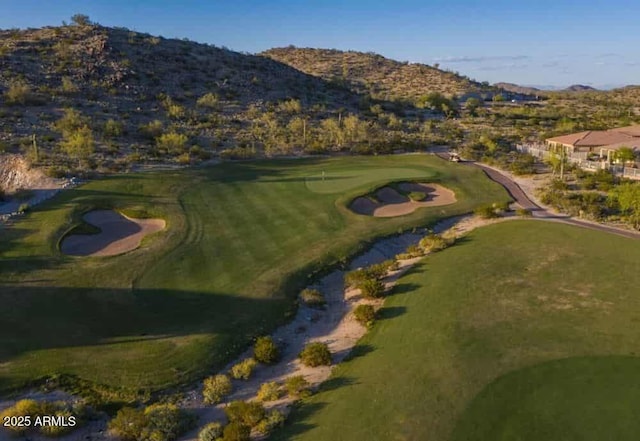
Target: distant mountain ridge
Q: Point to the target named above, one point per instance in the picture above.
(537, 90)
(373, 74)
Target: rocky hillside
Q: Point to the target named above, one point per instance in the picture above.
(376, 75)
(130, 88)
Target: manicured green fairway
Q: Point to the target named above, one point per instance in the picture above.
(523, 331)
(242, 238)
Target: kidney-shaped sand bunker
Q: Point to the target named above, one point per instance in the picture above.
(118, 234)
(387, 202)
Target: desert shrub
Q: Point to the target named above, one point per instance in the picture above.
(501, 207)
(486, 212)
(165, 422)
(79, 143)
(184, 159)
(238, 153)
(209, 100)
(269, 391)
(312, 298)
(247, 413)
(71, 121)
(216, 388)
(236, 431)
(411, 252)
(365, 315)
(271, 421)
(244, 369)
(376, 271)
(22, 408)
(113, 128)
(433, 243)
(68, 87)
(58, 429)
(523, 164)
(524, 212)
(158, 422)
(265, 350)
(151, 130)
(297, 386)
(18, 92)
(372, 288)
(172, 142)
(128, 424)
(23, 208)
(211, 432)
(417, 196)
(315, 354)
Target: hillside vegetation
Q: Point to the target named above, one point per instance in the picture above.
(375, 75)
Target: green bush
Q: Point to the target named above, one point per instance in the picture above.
(33, 409)
(151, 130)
(244, 369)
(71, 121)
(128, 424)
(165, 422)
(417, 196)
(211, 432)
(524, 212)
(209, 100)
(297, 386)
(216, 388)
(158, 422)
(376, 271)
(246, 413)
(411, 252)
(273, 420)
(236, 431)
(18, 92)
(316, 354)
(312, 298)
(365, 315)
(486, 212)
(265, 350)
(269, 391)
(172, 142)
(372, 288)
(113, 128)
(433, 243)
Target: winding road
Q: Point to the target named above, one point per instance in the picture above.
(538, 212)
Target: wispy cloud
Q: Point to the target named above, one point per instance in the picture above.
(608, 55)
(498, 67)
(466, 59)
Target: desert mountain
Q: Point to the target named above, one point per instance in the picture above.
(373, 74)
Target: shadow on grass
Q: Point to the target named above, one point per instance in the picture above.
(358, 350)
(334, 383)
(390, 312)
(295, 424)
(403, 288)
(37, 318)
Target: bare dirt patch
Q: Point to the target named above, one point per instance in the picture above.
(387, 202)
(118, 234)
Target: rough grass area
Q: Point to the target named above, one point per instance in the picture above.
(523, 330)
(240, 242)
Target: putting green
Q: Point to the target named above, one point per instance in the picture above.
(338, 181)
(585, 398)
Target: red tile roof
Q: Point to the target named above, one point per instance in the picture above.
(600, 138)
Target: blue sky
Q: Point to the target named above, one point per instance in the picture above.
(539, 42)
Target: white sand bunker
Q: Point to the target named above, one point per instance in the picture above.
(118, 234)
(390, 203)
